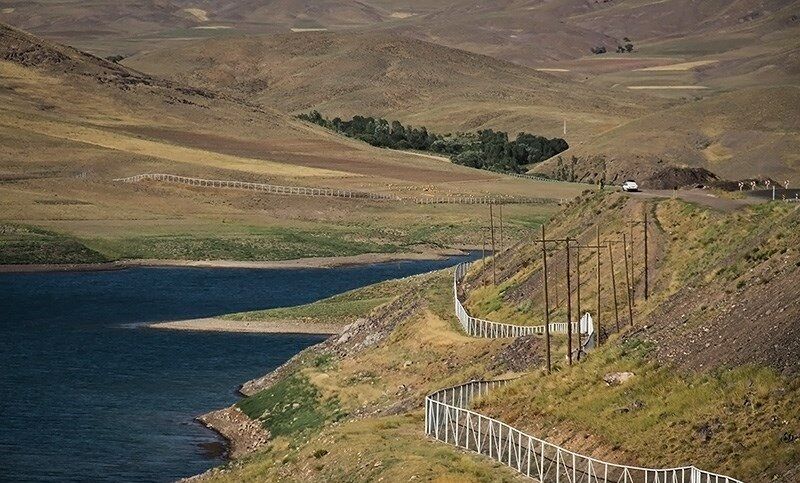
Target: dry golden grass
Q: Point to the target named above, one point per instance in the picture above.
(753, 132)
(162, 150)
(395, 77)
(67, 131)
(396, 373)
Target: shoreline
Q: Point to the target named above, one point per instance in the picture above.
(311, 262)
(240, 436)
(217, 324)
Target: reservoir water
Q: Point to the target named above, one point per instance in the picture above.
(87, 394)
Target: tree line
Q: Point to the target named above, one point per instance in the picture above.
(484, 149)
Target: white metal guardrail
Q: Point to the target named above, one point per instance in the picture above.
(330, 192)
(449, 419)
(476, 327)
(481, 200)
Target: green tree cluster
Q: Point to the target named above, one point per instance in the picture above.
(484, 149)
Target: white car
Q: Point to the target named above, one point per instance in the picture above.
(630, 185)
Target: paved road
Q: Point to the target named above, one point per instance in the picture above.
(701, 197)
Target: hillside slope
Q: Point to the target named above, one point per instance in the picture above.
(396, 77)
(71, 122)
(712, 349)
(748, 133)
(522, 31)
(682, 52)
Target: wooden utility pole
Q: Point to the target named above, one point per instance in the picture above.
(578, 297)
(613, 284)
(546, 303)
(483, 257)
(633, 264)
(628, 281)
(500, 207)
(569, 310)
(646, 271)
(494, 253)
(598, 285)
(557, 303)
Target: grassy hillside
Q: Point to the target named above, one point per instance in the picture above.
(70, 123)
(747, 133)
(728, 55)
(350, 409)
(715, 380)
(344, 74)
(724, 109)
(530, 33)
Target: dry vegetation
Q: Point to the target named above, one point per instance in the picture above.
(351, 407)
(718, 94)
(63, 144)
(725, 403)
(395, 77)
(720, 46)
(714, 350)
(751, 132)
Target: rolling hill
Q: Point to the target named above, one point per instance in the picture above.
(71, 122)
(522, 31)
(622, 132)
(396, 77)
(709, 360)
(374, 63)
(751, 132)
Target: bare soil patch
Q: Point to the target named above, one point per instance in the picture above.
(642, 88)
(679, 66)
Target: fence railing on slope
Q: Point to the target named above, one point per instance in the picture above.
(448, 419)
(535, 178)
(331, 192)
(267, 188)
(476, 327)
(480, 200)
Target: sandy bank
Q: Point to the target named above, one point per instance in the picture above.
(214, 324)
(313, 262)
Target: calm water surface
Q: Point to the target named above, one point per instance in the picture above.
(87, 395)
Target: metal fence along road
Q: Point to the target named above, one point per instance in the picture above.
(331, 192)
(486, 328)
(449, 419)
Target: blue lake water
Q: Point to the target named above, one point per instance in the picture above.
(87, 395)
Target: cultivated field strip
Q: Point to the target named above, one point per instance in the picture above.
(449, 419)
(330, 192)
